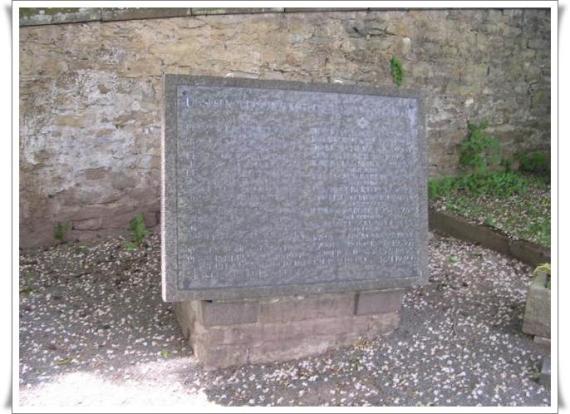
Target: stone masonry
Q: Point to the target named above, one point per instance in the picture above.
(225, 334)
(90, 92)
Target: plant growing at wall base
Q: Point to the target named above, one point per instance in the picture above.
(60, 230)
(535, 163)
(138, 232)
(397, 71)
(497, 184)
(479, 152)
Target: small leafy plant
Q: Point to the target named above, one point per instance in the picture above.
(479, 152)
(498, 184)
(138, 232)
(60, 231)
(536, 163)
(479, 159)
(440, 187)
(493, 191)
(397, 71)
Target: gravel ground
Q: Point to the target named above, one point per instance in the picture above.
(95, 332)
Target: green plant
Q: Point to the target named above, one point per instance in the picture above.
(507, 164)
(397, 71)
(536, 163)
(60, 231)
(440, 187)
(498, 184)
(138, 231)
(479, 152)
(540, 230)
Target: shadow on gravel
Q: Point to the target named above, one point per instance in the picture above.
(94, 332)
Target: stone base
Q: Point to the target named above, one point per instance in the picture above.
(263, 330)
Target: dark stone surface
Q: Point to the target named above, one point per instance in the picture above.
(273, 188)
(459, 227)
(529, 252)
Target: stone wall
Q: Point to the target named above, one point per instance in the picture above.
(90, 93)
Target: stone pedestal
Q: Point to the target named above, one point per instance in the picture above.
(227, 333)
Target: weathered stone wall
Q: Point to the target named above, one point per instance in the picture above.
(90, 93)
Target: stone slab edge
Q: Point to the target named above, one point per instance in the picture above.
(523, 250)
(546, 373)
(170, 293)
(537, 315)
(41, 16)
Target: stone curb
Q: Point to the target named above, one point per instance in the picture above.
(494, 239)
(537, 318)
(45, 16)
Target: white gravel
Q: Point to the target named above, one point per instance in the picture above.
(95, 332)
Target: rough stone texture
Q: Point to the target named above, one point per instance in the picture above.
(537, 310)
(544, 343)
(277, 188)
(545, 372)
(278, 329)
(299, 308)
(90, 94)
(227, 313)
(382, 301)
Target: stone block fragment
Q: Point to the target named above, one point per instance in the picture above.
(537, 310)
(295, 308)
(212, 313)
(377, 302)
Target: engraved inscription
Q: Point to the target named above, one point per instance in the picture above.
(281, 187)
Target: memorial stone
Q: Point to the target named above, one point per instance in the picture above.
(275, 188)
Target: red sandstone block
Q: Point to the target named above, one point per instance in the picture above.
(377, 302)
(185, 316)
(294, 308)
(214, 313)
(224, 346)
(256, 333)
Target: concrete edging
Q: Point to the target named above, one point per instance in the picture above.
(523, 250)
